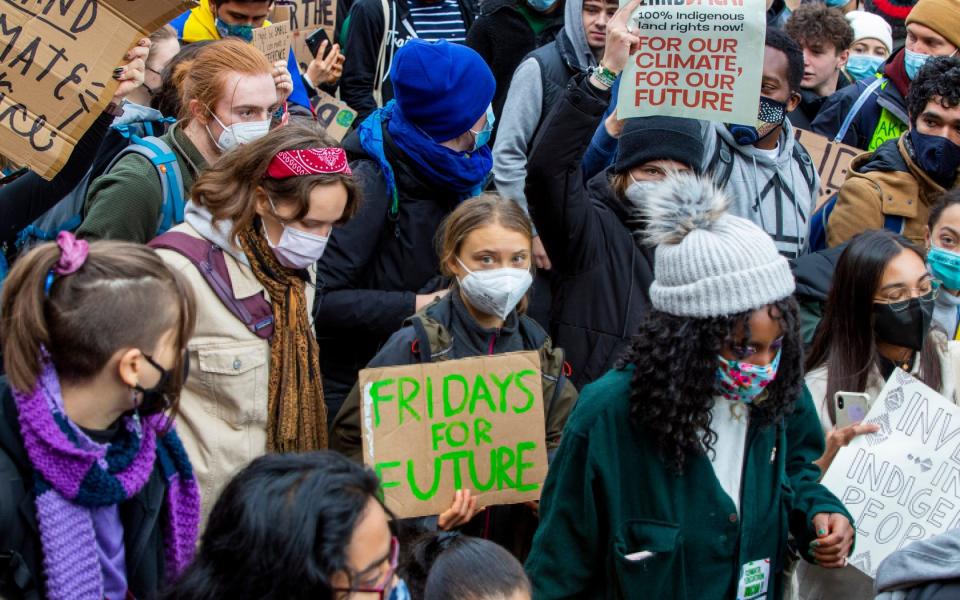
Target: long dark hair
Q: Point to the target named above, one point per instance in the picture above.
(675, 361)
(845, 341)
(280, 529)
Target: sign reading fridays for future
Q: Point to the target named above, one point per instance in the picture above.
(901, 484)
(474, 423)
(56, 62)
(699, 59)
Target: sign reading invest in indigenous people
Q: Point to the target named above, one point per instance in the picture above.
(475, 423)
(901, 484)
(699, 59)
(56, 62)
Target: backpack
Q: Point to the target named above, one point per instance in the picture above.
(720, 165)
(817, 237)
(67, 214)
(254, 312)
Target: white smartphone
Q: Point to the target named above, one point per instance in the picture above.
(851, 407)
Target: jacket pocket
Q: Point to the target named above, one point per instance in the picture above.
(648, 557)
(235, 376)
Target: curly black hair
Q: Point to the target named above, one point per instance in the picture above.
(672, 389)
(939, 78)
(815, 24)
(778, 40)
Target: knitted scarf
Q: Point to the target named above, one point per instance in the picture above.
(73, 474)
(297, 413)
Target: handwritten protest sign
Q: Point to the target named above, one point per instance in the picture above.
(306, 16)
(334, 115)
(831, 159)
(697, 59)
(901, 484)
(56, 61)
(274, 40)
(475, 423)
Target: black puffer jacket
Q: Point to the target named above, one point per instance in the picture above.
(375, 265)
(21, 555)
(604, 275)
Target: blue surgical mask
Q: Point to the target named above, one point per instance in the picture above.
(937, 156)
(482, 137)
(945, 266)
(744, 381)
(837, 3)
(541, 5)
(913, 62)
(226, 30)
(863, 66)
(399, 591)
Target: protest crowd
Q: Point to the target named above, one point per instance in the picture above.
(480, 299)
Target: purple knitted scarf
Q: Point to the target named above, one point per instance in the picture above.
(73, 474)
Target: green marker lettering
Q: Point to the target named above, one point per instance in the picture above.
(429, 384)
(463, 436)
(448, 409)
(481, 392)
(523, 466)
(523, 388)
(412, 480)
(436, 435)
(481, 431)
(503, 386)
(505, 460)
(479, 485)
(383, 466)
(377, 398)
(454, 458)
(404, 399)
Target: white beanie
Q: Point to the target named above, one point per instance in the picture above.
(709, 263)
(869, 25)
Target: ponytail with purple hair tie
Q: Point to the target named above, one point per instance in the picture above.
(73, 253)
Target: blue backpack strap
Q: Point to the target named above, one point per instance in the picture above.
(165, 161)
(851, 115)
(817, 239)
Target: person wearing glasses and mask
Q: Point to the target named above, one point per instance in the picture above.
(877, 317)
(306, 526)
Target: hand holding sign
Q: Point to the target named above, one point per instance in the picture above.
(283, 80)
(131, 74)
(834, 540)
(463, 509)
(621, 41)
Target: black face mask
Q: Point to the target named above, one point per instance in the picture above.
(158, 398)
(907, 328)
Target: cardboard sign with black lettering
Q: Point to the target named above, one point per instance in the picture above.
(56, 64)
(474, 423)
(831, 159)
(274, 40)
(334, 115)
(901, 484)
(306, 16)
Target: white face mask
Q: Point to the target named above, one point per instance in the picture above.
(296, 249)
(638, 191)
(495, 291)
(238, 134)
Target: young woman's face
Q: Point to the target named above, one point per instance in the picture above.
(369, 557)
(766, 339)
(905, 277)
(946, 231)
(657, 170)
(492, 247)
(327, 203)
(870, 47)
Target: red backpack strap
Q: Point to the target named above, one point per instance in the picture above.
(254, 312)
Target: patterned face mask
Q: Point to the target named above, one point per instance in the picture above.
(744, 381)
(770, 116)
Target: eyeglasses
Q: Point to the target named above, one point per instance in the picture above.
(899, 298)
(381, 589)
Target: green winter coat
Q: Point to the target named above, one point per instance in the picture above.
(608, 495)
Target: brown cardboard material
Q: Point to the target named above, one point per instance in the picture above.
(306, 16)
(334, 115)
(474, 423)
(57, 61)
(831, 159)
(274, 40)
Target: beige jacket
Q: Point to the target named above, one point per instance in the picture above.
(223, 407)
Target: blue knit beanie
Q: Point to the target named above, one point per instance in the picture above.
(440, 87)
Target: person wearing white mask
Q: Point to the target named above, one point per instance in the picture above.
(258, 222)
(872, 45)
(229, 99)
(485, 248)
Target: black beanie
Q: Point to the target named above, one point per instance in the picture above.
(659, 138)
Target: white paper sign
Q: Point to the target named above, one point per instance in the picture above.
(697, 59)
(901, 484)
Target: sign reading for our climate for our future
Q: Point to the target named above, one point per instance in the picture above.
(901, 484)
(699, 59)
(474, 423)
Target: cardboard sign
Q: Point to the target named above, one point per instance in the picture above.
(696, 60)
(831, 159)
(57, 61)
(475, 423)
(274, 40)
(901, 484)
(334, 115)
(306, 16)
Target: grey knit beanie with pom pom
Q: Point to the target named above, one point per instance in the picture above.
(709, 263)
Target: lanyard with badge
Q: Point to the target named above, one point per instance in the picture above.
(754, 580)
